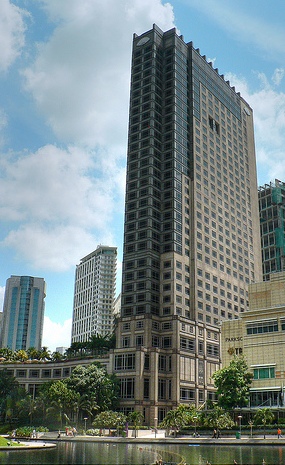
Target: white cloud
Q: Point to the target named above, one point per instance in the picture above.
(80, 77)
(61, 203)
(278, 76)
(268, 104)
(56, 334)
(12, 33)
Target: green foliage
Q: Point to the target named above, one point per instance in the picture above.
(21, 355)
(110, 419)
(232, 383)
(7, 383)
(6, 442)
(93, 381)
(180, 417)
(96, 345)
(6, 353)
(93, 432)
(61, 400)
(12, 396)
(99, 342)
(218, 418)
(263, 416)
(136, 418)
(87, 391)
(27, 431)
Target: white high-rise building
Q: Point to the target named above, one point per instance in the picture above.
(94, 294)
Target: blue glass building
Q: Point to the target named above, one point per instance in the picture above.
(23, 312)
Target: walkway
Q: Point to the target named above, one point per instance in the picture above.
(245, 440)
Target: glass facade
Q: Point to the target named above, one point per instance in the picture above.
(23, 312)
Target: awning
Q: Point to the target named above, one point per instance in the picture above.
(269, 388)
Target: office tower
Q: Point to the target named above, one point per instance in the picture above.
(272, 230)
(191, 238)
(23, 313)
(94, 294)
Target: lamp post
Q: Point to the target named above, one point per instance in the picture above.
(195, 430)
(240, 417)
(251, 425)
(85, 420)
(155, 427)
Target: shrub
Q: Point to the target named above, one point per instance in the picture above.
(27, 431)
(93, 432)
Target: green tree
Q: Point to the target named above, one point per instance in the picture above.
(56, 356)
(61, 399)
(109, 419)
(27, 408)
(12, 405)
(232, 383)
(84, 405)
(217, 418)
(44, 354)
(94, 381)
(33, 353)
(136, 418)
(263, 416)
(98, 343)
(6, 353)
(77, 349)
(7, 383)
(21, 355)
(177, 418)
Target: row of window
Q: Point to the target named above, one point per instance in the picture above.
(139, 324)
(267, 326)
(164, 342)
(41, 373)
(164, 390)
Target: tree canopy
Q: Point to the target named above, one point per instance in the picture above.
(232, 383)
(181, 416)
(109, 419)
(218, 418)
(94, 382)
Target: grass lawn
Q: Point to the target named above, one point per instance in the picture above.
(4, 442)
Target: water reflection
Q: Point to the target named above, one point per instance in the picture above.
(89, 453)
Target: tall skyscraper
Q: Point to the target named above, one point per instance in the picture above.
(23, 312)
(191, 238)
(94, 294)
(272, 227)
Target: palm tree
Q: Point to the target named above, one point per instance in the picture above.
(6, 353)
(82, 404)
(27, 406)
(263, 416)
(97, 342)
(218, 418)
(33, 353)
(44, 354)
(76, 348)
(174, 419)
(56, 356)
(136, 418)
(21, 355)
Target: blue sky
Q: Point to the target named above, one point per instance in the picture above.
(64, 80)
